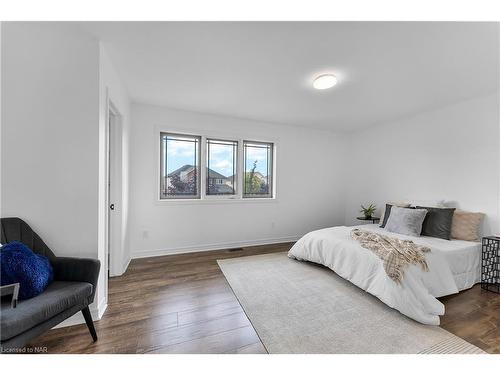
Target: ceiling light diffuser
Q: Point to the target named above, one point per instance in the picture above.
(324, 81)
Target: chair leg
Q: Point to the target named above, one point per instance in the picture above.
(90, 323)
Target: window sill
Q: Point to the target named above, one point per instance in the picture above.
(214, 201)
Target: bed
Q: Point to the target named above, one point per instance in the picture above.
(454, 265)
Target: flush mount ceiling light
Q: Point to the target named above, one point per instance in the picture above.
(324, 81)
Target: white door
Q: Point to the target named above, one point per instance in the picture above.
(113, 192)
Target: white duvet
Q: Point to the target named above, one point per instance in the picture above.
(414, 297)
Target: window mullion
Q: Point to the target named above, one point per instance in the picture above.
(203, 167)
(239, 170)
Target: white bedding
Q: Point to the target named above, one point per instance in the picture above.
(453, 265)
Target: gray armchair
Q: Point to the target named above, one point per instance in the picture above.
(73, 290)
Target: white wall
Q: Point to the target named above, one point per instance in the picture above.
(451, 153)
(50, 102)
(309, 187)
(1, 114)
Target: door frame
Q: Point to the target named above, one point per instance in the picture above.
(113, 194)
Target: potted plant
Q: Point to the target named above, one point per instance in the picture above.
(368, 211)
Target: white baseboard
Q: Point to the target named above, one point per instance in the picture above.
(123, 268)
(125, 265)
(96, 312)
(217, 246)
(101, 309)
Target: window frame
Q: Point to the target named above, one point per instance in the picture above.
(163, 161)
(236, 168)
(203, 198)
(270, 174)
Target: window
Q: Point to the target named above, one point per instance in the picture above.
(232, 169)
(257, 170)
(179, 166)
(221, 167)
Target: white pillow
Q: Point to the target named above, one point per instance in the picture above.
(426, 203)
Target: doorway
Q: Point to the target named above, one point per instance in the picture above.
(113, 191)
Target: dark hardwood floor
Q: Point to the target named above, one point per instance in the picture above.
(183, 304)
(474, 315)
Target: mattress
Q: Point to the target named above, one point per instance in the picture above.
(463, 257)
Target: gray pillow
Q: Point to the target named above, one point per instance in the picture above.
(406, 221)
(438, 222)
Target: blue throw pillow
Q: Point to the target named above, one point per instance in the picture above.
(21, 265)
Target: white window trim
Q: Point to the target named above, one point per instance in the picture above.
(213, 199)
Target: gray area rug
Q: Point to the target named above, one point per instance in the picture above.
(300, 307)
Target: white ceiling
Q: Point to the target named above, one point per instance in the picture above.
(263, 70)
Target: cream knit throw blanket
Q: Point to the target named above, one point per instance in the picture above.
(396, 254)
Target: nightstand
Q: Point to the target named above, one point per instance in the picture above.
(372, 219)
(490, 264)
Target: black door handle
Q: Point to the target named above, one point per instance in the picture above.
(112, 207)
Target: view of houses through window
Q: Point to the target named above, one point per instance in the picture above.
(180, 166)
(180, 175)
(221, 167)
